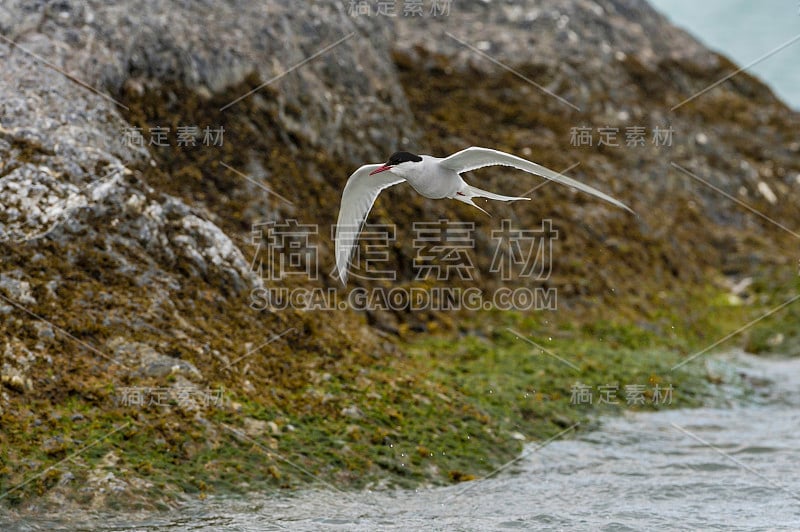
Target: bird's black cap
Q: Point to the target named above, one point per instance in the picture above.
(402, 157)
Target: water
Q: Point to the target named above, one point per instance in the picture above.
(637, 471)
(744, 31)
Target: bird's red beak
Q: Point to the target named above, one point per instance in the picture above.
(381, 169)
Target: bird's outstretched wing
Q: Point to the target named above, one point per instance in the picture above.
(475, 157)
(359, 194)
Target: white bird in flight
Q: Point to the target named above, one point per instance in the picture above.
(432, 177)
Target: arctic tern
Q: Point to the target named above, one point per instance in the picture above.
(432, 177)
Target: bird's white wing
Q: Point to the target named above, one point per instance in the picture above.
(359, 194)
(475, 157)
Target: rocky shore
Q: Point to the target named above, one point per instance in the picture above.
(138, 367)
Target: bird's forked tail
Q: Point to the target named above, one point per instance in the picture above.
(466, 195)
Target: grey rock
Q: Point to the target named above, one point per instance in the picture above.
(147, 362)
(17, 289)
(66, 478)
(53, 445)
(352, 412)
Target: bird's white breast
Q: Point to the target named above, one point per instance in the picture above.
(432, 180)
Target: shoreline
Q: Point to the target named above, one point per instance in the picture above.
(740, 388)
(442, 410)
